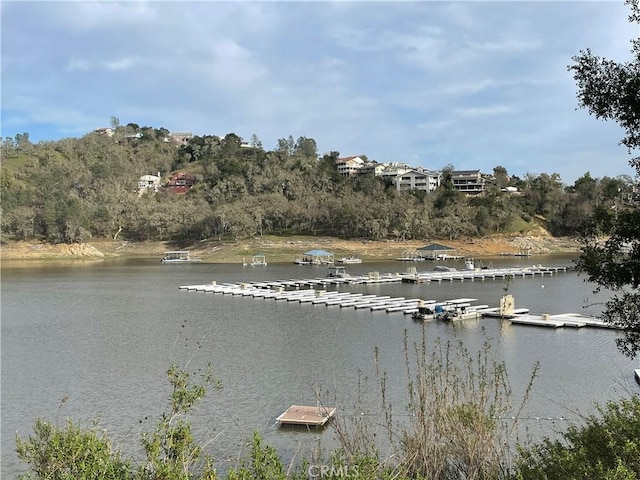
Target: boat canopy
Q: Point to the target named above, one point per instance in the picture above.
(318, 253)
(177, 254)
(435, 248)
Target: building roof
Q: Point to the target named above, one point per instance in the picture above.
(317, 253)
(435, 247)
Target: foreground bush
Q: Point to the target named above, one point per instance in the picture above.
(606, 447)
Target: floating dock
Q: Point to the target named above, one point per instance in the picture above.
(310, 416)
(304, 291)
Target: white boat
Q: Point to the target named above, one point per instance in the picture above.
(349, 259)
(179, 256)
(446, 313)
(337, 272)
(258, 260)
(302, 261)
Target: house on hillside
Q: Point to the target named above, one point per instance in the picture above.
(470, 182)
(149, 184)
(418, 179)
(178, 138)
(392, 170)
(181, 182)
(104, 131)
(349, 166)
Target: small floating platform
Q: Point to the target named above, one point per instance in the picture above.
(311, 416)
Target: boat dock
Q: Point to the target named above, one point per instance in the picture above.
(412, 277)
(317, 297)
(402, 305)
(570, 320)
(310, 416)
(479, 274)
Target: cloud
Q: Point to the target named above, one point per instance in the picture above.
(467, 83)
(82, 65)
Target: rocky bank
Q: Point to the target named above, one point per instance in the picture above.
(285, 249)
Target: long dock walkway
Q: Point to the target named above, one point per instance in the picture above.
(416, 277)
(304, 291)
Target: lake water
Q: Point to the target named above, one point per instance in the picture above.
(103, 334)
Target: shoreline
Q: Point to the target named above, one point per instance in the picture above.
(285, 249)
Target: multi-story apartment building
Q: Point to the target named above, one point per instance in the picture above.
(470, 182)
(418, 179)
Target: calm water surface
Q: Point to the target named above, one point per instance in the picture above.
(102, 335)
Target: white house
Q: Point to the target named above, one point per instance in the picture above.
(417, 179)
(372, 167)
(149, 184)
(349, 166)
(104, 131)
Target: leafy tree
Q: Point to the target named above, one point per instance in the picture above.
(609, 90)
(255, 141)
(501, 176)
(307, 148)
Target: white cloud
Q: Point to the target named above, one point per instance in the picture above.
(467, 83)
(487, 111)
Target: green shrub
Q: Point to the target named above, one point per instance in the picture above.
(607, 447)
(71, 453)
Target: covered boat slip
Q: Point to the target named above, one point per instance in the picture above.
(315, 257)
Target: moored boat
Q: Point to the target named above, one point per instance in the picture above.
(349, 259)
(179, 256)
(337, 272)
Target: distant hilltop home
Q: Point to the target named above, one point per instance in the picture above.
(403, 176)
(181, 182)
(104, 131)
(149, 184)
(470, 182)
(418, 179)
(406, 178)
(178, 138)
(349, 166)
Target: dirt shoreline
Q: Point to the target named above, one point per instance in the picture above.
(285, 249)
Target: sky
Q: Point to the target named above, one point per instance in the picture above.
(467, 84)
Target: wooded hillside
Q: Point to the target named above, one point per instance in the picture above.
(76, 188)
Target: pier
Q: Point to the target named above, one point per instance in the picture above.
(413, 276)
(307, 291)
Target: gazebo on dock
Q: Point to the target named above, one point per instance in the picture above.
(317, 257)
(434, 251)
